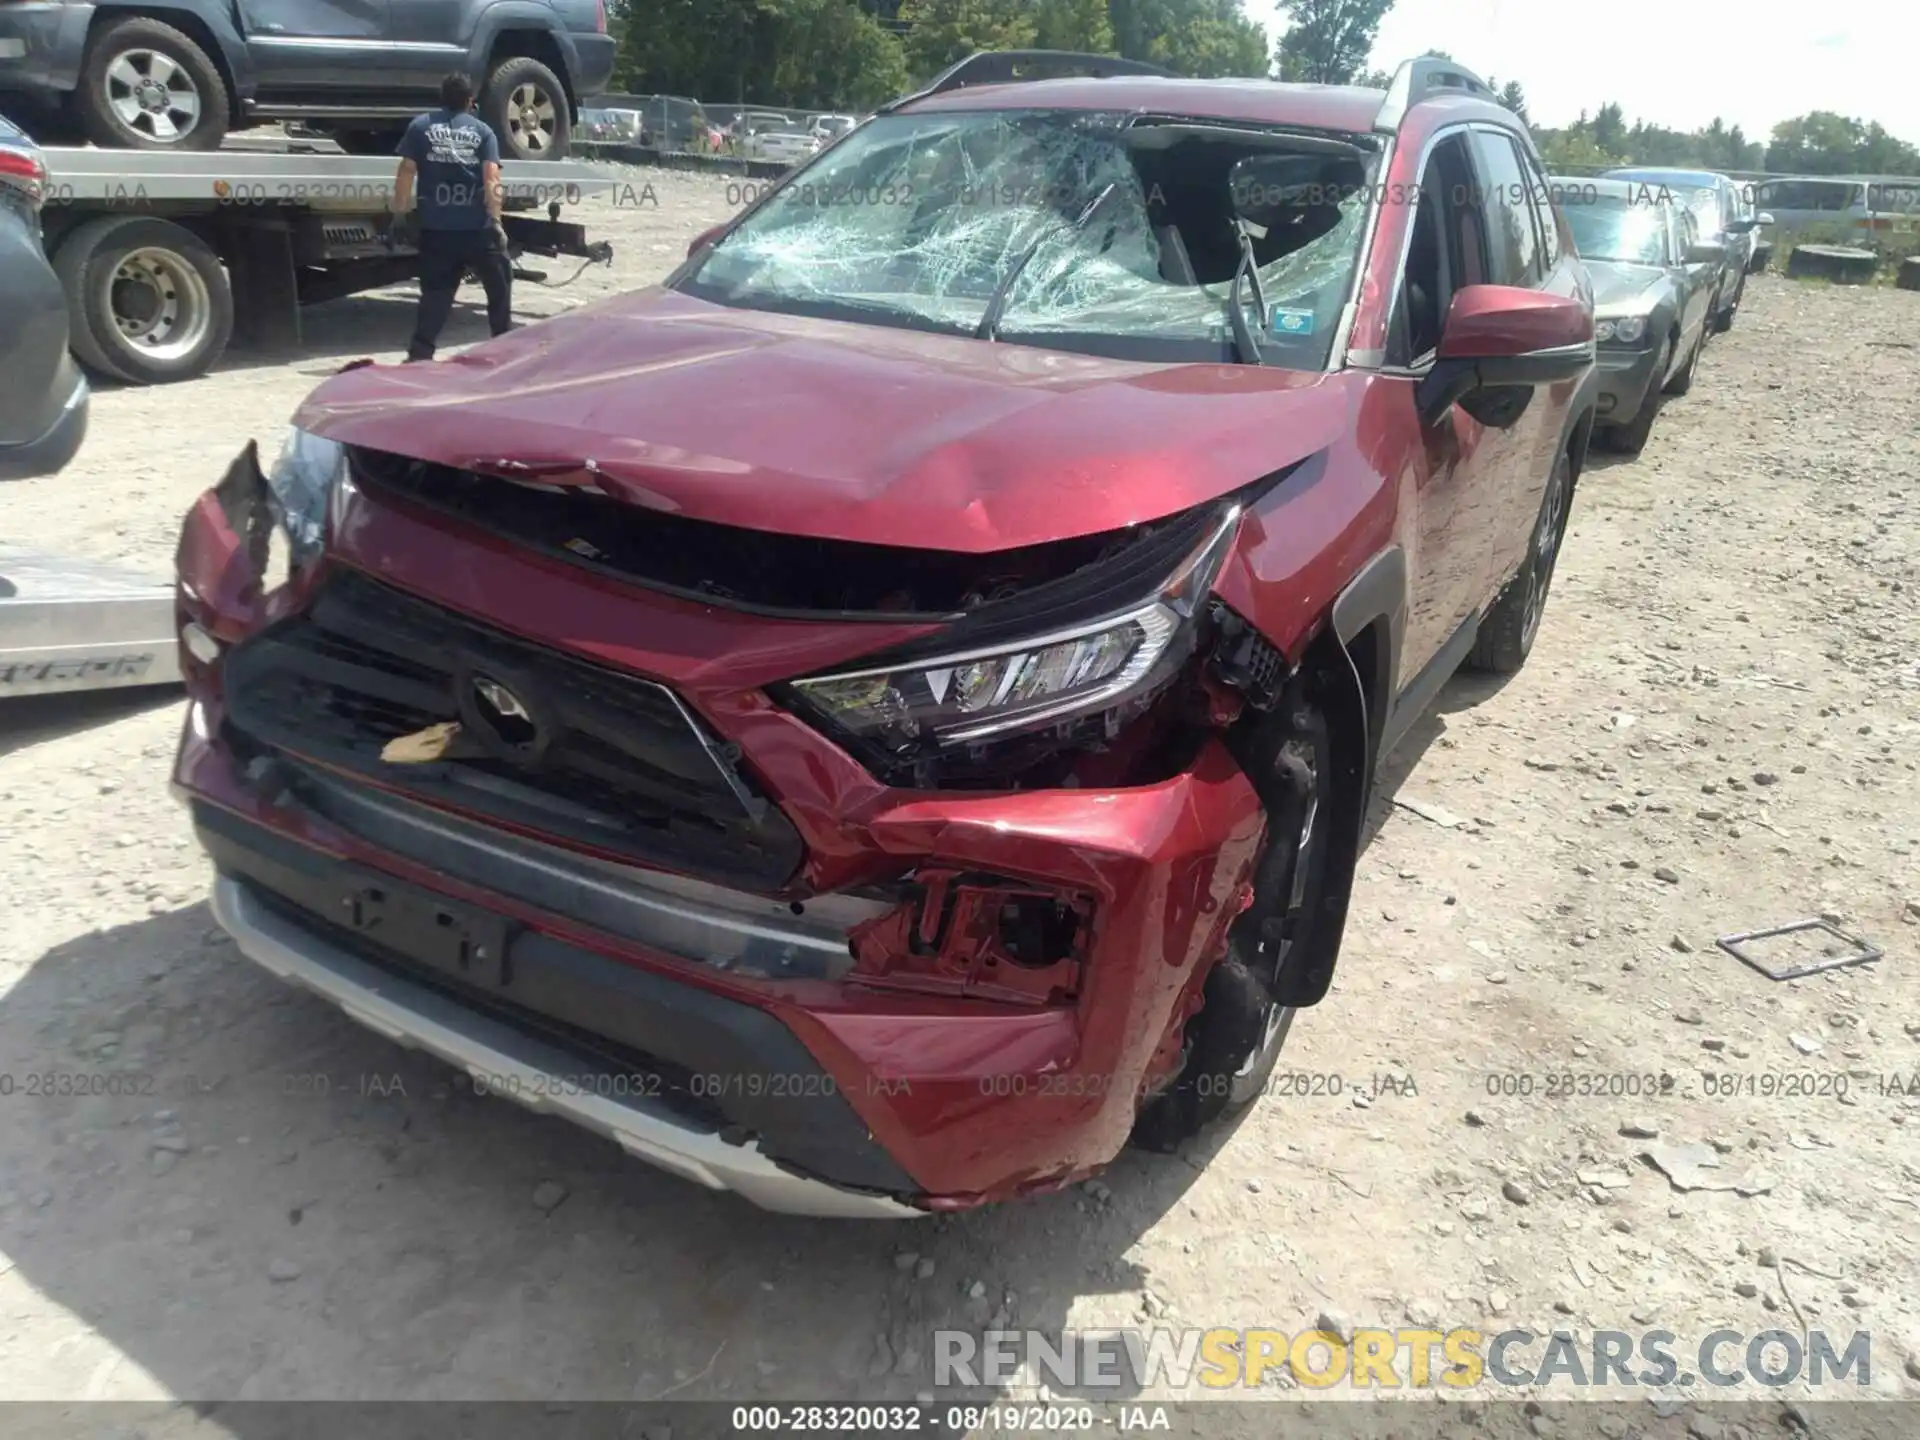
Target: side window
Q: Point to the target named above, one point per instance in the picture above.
(1445, 251)
(1543, 214)
(1513, 241)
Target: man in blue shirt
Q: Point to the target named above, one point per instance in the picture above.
(453, 158)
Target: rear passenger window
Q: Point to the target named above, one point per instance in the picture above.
(1543, 214)
(1513, 238)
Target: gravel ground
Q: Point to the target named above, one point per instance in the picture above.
(1715, 734)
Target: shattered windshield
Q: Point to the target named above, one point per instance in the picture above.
(1105, 233)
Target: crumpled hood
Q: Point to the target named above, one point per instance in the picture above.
(838, 430)
(1620, 289)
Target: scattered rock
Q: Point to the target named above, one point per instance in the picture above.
(1765, 777)
(1516, 1192)
(1640, 1130)
(925, 1268)
(1667, 874)
(1806, 1044)
(1335, 1322)
(1254, 1186)
(905, 1260)
(548, 1196)
(1681, 945)
(1497, 1302)
(1766, 1257)
(1746, 1289)
(1474, 1208)
(977, 1290)
(281, 1271)
(161, 1161)
(175, 1143)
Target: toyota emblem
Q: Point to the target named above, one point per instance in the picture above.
(504, 714)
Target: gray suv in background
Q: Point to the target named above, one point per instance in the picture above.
(179, 74)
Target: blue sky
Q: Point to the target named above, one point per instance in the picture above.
(1677, 62)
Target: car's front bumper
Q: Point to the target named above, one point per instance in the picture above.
(821, 1096)
(1627, 381)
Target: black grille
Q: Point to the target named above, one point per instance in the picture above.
(618, 764)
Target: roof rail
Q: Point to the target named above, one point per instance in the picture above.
(1421, 79)
(1004, 67)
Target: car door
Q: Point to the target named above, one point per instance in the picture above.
(1525, 250)
(1437, 467)
(1695, 282)
(1703, 276)
(429, 39)
(315, 45)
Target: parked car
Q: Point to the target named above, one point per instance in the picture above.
(828, 128)
(781, 144)
(608, 127)
(883, 717)
(676, 123)
(1653, 283)
(1724, 217)
(43, 402)
(179, 74)
(1884, 208)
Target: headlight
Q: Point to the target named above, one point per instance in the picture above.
(303, 481)
(924, 706)
(1626, 330)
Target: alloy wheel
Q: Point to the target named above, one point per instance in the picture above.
(152, 95)
(1546, 548)
(532, 117)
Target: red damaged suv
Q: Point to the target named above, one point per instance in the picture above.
(882, 718)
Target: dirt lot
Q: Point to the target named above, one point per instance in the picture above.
(1716, 733)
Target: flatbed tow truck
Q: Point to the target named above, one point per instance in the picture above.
(167, 259)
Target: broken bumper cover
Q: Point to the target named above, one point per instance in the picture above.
(504, 1061)
(845, 1099)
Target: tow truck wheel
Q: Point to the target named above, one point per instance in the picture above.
(147, 300)
(527, 107)
(1235, 1040)
(147, 86)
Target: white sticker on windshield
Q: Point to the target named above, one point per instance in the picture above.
(1289, 322)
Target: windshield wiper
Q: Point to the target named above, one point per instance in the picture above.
(989, 326)
(1245, 348)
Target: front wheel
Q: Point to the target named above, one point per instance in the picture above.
(1507, 634)
(527, 107)
(1723, 322)
(1682, 382)
(1233, 1043)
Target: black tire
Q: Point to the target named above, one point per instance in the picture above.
(527, 107)
(1233, 1043)
(147, 86)
(1508, 632)
(1682, 382)
(147, 300)
(369, 142)
(1909, 276)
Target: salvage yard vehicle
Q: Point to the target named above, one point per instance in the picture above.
(1653, 284)
(890, 792)
(43, 400)
(177, 75)
(1726, 217)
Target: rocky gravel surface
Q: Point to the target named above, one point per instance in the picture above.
(1540, 1096)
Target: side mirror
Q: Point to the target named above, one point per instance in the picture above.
(1766, 218)
(704, 239)
(1740, 227)
(1504, 337)
(1706, 252)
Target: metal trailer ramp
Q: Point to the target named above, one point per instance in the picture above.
(80, 625)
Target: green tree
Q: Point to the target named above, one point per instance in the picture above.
(1573, 150)
(1210, 48)
(1082, 25)
(833, 55)
(1328, 41)
(1514, 98)
(1610, 129)
(940, 32)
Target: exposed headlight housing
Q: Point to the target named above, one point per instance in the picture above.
(922, 709)
(303, 483)
(1625, 330)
